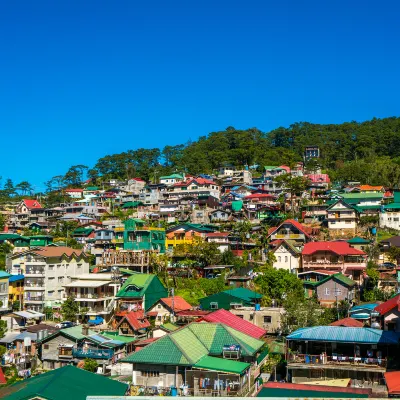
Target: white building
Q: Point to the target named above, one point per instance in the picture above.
(221, 238)
(171, 179)
(4, 284)
(342, 218)
(390, 216)
(47, 270)
(287, 256)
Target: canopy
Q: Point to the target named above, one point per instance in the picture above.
(87, 283)
(222, 364)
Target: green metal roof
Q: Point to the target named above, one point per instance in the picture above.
(392, 206)
(364, 208)
(135, 285)
(82, 231)
(243, 293)
(91, 188)
(74, 333)
(120, 338)
(170, 326)
(270, 167)
(345, 335)
(237, 205)
(9, 236)
(132, 204)
(358, 240)
(362, 196)
(303, 394)
(222, 364)
(188, 345)
(64, 383)
(173, 176)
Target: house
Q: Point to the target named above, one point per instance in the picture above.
(342, 218)
(137, 236)
(72, 345)
(334, 352)
(371, 189)
(193, 188)
(220, 216)
(185, 234)
(230, 298)
(389, 314)
(266, 318)
(318, 181)
(171, 179)
(46, 270)
(201, 355)
(364, 312)
(83, 234)
(74, 193)
(166, 308)
(162, 330)
(348, 322)
(220, 238)
(64, 383)
(287, 255)
(4, 291)
(332, 289)
(16, 291)
(335, 256)
(94, 293)
(292, 230)
(140, 292)
(26, 205)
(134, 185)
(234, 321)
(132, 323)
(389, 216)
(359, 243)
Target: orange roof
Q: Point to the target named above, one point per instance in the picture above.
(57, 251)
(348, 322)
(136, 320)
(369, 187)
(180, 304)
(217, 234)
(32, 203)
(393, 382)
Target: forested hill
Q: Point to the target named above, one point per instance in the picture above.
(348, 151)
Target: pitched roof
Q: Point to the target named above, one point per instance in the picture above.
(135, 285)
(259, 196)
(345, 335)
(232, 320)
(169, 326)
(217, 234)
(293, 222)
(393, 382)
(136, 320)
(339, 277)
(392, 303)
(339, 248)
(318, 178)
(64, 383)
(31, 204)
(243, 293)
(349, 322)
(369, 187)
(289, 243)
(188, 345)
(75, 333)
(4, 274)
(358, 240)
(55, 251)
(180, 304)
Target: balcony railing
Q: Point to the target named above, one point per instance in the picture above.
(337, 360)
(288, 236)
(93, 353)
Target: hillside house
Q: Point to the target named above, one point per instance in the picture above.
(290, 230)
(166, 308)
(230, 299)
(342, 218)
(287, 255)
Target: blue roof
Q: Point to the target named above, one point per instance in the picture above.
(369, 306)
(14, 278)
(3, 274)
(345, 335)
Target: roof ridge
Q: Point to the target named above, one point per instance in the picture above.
(180, 348)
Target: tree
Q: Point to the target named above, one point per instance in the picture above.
(24, 188)
(394, 254)
(74, 175)
(90, 365)
(9, 189)
(3, 327)
(69, 309)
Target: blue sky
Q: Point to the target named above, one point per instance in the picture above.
(82, 79)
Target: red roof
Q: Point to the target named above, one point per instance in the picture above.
(293, 222)
(340, 248)
(217, 234)
(318, 178)
(285, 167)
(225, 317)
(3, 379)
(32, 204)
(180, 304)
(192, 313)
(393, 382)
(388, 305)
(259, 196)
(136, 320)
(145, 342)
(316, 388)
(348, 322)
(199, 181)
(74, 190)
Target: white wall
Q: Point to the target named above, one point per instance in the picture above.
(285, 260)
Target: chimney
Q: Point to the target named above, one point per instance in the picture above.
(85, 330)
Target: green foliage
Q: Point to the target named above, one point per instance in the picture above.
(3, 328)
(204, 253)
(5, 248)
(3, 350)
(70, 309)
(376, 294)
(278, 284)
(16, 305)
(90, 365)
(394, 254)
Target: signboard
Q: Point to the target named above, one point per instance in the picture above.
(231, 347)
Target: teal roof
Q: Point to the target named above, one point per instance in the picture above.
(173, 176)
(345, 335)
(64, 383)
(4, 274)
(243, 293)
(392, 206)
(132, 204)
(189, 345)
(358, 240)
(362, 196)
(74, 333)
(237, 205)
(279, 392)
(135, 285)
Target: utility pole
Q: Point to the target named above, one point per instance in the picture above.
(173, 304)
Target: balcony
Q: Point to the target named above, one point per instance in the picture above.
(117, 240)
(34, 300)
(34, 286)
(288, 236)
(93, 353)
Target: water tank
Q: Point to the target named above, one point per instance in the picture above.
(40, 335)
(257, 307)
(375, 325)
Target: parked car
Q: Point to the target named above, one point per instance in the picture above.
(387, 265)
(95, 320)
(65, 324)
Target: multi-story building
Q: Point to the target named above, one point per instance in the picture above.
(47, 270)
(4, 276)
(16, 291)
(342, 218)
(137, 236)
(171, 179)
(291, 230)
(194, 188)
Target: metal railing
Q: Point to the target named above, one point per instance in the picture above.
(93, 353)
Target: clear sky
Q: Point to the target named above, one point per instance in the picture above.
(82, 79)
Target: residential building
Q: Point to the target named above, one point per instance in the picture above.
(166, 308)
(74, 193)
(134, 185)
(292, 230)
(287, 255)
(334, 352)
(220, 238)
(171, 179)
(342, 218)
(94, 293)
(231, 298)
(4, 290)
(196, 352)
(152, 194)
(193, 188)
(335, 256)
(46, 270)
(348, 322)
(140, 292)
(65, 383)
(220, 216)
(72, 345)
(359, 243)
(389, 314)
(16, 291)
(132, 323)
(185, 234)
(318, 181)
(238, 322)
(389, 217)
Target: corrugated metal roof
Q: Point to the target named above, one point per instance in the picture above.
(345, 335)
(222, 364)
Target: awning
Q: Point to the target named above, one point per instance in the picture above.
(87, 283)
(28, 314)
(222, 365)
(9, 338)
(360, 316)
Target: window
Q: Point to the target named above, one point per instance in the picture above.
(239, 315)
(151, 374)
(395, 220)
(159, 306)
(214, 306)
(327, 291)
(46, 346)
(279, 258)
(338, 292)
(267, 319)
(286, 258)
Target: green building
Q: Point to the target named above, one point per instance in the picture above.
(230, 298)
(26, 241)
(138, 236)
(141, 292)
